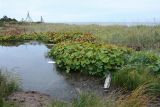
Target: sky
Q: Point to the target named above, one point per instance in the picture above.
(83, 10)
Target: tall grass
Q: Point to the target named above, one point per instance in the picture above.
(137, 98)
(89, 100)
(145, 37)
(133, 77)
(130, 78)
(7, 86)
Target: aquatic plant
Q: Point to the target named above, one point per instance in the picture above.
(50, 37)
(71, 36)
(92, 58)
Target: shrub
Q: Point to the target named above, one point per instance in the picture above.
(16, 38)
(146, 59)
(71, 36)
(91, 58)
(49, 37)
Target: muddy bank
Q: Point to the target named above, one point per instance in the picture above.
(30, 99)
(85, 83)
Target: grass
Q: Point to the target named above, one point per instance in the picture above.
(137, 98)
(87, 100)
(142, 85)
(7, 86)
(131, 78)
(8, 104)
(145, 37)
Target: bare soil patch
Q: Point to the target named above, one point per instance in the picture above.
(30, 99)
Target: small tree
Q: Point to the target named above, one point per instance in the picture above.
(7, 19)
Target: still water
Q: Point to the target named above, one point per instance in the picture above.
(30, 62)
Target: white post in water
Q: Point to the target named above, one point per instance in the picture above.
(107, 82)
(51, 62)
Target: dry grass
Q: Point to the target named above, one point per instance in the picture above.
(145, 37)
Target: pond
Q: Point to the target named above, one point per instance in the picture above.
(30, 62)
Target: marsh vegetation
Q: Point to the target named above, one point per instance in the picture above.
(127, 52)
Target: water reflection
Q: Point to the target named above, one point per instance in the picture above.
(29, 61)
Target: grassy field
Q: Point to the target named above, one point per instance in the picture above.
(143, 37)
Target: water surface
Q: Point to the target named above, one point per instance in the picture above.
(30, 62)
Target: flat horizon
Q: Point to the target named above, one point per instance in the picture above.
(82, 10)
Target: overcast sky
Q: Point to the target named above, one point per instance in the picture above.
(82, 10)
